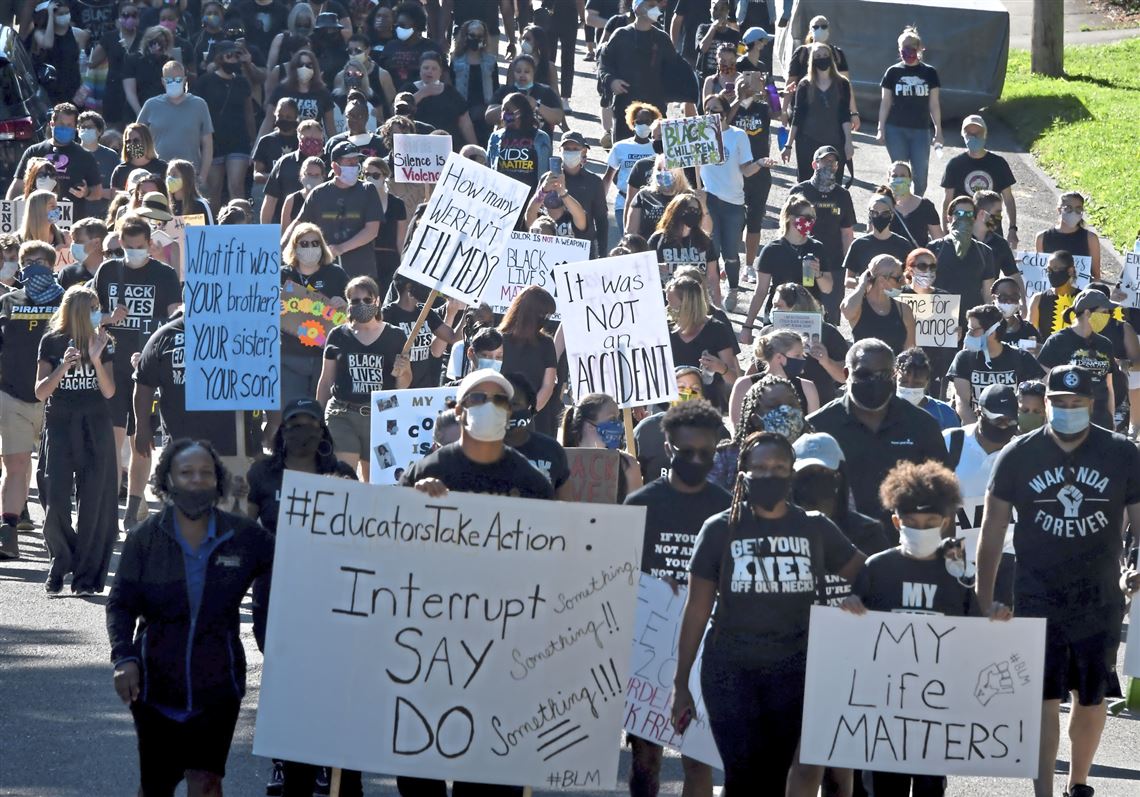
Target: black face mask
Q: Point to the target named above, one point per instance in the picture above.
(793, 366)
(880, 223)
(302, 440)
(767, 491)
(474, 42)
(822, 64)
(194, 504)
(232, 68)
(816, 490)
(1058, 278)
(690, 218)
(520, 419)
(996, 434)
(690, 472)
(287, 127)
(872, 394)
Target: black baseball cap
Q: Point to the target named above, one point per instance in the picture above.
(302, 406)
(999, 401)
(345, 149)
(1069, 380)
(575, 137)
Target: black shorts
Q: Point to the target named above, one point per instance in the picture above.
(122, 403)
(1082, 662)
(756, 190)
(168, 749)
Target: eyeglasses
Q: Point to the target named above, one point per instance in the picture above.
(924, 265)
(34, 263)
(356, 52)
(309, 244)
(895, 278)
(479, 398)
(362, 300)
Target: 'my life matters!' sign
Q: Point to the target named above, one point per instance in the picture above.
(923, 694)
(462, 236)
(617, 336)
(692, 141)
(470, 637)
(232, 298)
(402, 429)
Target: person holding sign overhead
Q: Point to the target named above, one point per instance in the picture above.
(873, 309)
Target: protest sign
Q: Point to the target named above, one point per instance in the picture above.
(471, 637)
(418, 158)
(923, 694)
(11, 215)
(808, 326)
(1032, 266)
(653, 665)
(307, 315)
(1130, 280)
(593, 475)
(530, 260)
(935, 318)
(1132, 650)
(692, 141)
(66, 213)
(617, 336)
(233, 329)
(462, 237)
(402, 429)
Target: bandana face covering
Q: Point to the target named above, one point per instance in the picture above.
(785, 420)
(40, 284)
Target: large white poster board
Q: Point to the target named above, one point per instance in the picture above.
(1130, 279)
(462, 236)
(1032, 266)
(1132, 651)
(531, 259)
(935, 318)
(617, 335)
(923, 694)
(649, 693)
(402, 429)
(471, 637)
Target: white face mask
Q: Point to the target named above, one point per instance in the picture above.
(1007, 310)
(403, 34)
(486, 422)
(920, 543)
(487, 362)
(912, 394)
(653, 13)
(360, 139)
(88, 136)
(308, 255)
(974, 342)
(176, 88)
(642, 131)
(45, 183)
(310, 182)
(820, 34)
(923, 279)
(1067, 420)
(136, 257)
(527, 48)
(63, 20)
(348, 174)
(572, 159)
(304, 73)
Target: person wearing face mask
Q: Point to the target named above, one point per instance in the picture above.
(874, 427)
(1070, 233)
(752, 668)
(587, 189)
(799, 65)
(779, 353)
(401, 55)
(1080, 343)
(978, 169)
(138, 294)
(913, 371)
(86, 250)
(111, 52)
(821, 118)
(182, 188)
(910, 101)
(180, 123)
(181, 677)
(209, 32)
(229, 97)
(360, 357)
(393, 228)
(878, 240)
(700, 339)
(91, 129)
(439, 104)
(1006, 295)
(76, 172)
(984, 360)
(595, 422)
(542, 99)
(770, 404)
(719, 36)
(304, 83)
(137, 153)
(54, 41)
(825, 352)
(542, 451)
(280, 141)
(647, 207)
(1030, 406)
(723, 78)
(1072, 483)
(285, 177)
(752, 113)
(357, 116)
(677, 504)
(625, 154)
(1047, 308)
(24, 316)
(142, 78)
(554, 204)
(679, 239)
(648, 434)
(873, 309)
(475, 73)
(916, 218)
(987, 229)
(484, 350)
(965, 264)
(313, 173)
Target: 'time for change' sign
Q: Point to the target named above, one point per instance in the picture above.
(470, 637)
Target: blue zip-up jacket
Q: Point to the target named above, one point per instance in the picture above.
(186, 662)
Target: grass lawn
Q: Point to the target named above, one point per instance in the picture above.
(1084, 129)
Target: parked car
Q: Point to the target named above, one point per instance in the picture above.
(24, 105)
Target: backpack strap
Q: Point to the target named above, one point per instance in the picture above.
(957, 441)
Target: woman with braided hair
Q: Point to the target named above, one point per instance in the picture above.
(761, 563)
(770, 405)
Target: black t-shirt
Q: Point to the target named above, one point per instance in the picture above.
(672, 522)
(707, 63)
(73, 166)
(264, 481)
(79, 388)
(329, 281)
(1012, 367)
(341, 213)
(311, 104)
(892, 582)
(548, 456)
(162, 365)
(651, 455)
(963, 275)
(402, 58)
(1093, 353)
(372, 148)
(1069, 509)
(910, 93)
(121, 172)
(511, 475)
(147, 73)
(1002, 252)
(147, 291)
(756, 121)
(362, 369)
(529, 359)
(714, 337)
(284, 179)
(652, 206)
(916, 226)
(639, 174)
(396, 212)
(1024, 331)
(866, 534)
(695, 249)
(22, 324)
(783, 262)
(226, 99)
(834, 212)
(425, 368)
(966, 175)
(767, 573)
(74, 274)
(695, 13)
(442, 111)
(867, 247)
(271, 146)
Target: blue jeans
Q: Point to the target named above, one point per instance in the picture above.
(728, 230)
(911, 144)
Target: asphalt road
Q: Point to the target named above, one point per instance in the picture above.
(64, 733)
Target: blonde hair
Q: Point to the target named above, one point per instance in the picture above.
(910, 34)
(36, 225)
(793, 205)
(680, 181)
(156, 32)
(289, 253)
(780, 341)
(144, 135)
(692, 307)
(73, 318)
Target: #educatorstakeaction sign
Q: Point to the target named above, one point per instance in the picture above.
(418, 158)
(1032, 266)
(923, 694)
(530, 260)
(233, 327)
(470, 637)
(462, 237)
(935, 318)
(692, 141)
(402, 428)
(617, 336)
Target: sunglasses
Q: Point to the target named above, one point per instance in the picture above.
(356, 52)
(364, 300)
(479, 398)
(309, 244)
(925, 265)
(882, 215)
(113, 252)
(374, 175)
(963, 214)
(895, 278)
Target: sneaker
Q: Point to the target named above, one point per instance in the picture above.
(323, 778)
(9, 542)
(783, 23)
(606, 141)
(85, 592)
(730, 300)
(750, 274)
(276, 784)
(590, 56)
(53, 589)
(123, 487)
(1080, 790)
(25, 523)
(566, 106)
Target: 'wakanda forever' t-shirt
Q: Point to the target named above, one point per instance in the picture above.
(511, 475)
(672, 522)
(363, 368)
(1069, 509)
(892, 582)
(79, 388)
(767, 574)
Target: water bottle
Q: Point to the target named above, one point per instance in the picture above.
(82, 64)
(938, 151)
(707, 376)
(773, 97)
(782, 136)
(808, 270)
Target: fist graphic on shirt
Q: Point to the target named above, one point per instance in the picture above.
(1070, 498)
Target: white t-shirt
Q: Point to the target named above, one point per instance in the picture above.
(623, 156)
(725, 181)
(973, 472)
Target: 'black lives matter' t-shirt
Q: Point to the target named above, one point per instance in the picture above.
(162, 365)
(910, 88)
(511, 475)
(694, 249)
(79, 388)
(966, 175)
(766, 592)
(1012, 367)
(672, 522)
(362, 369)
(1069, 509)
(22, 324)
(425, 368)
(1094, 353)
(548, 456)
(147, 291)
(264, 479)
(892, 582)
